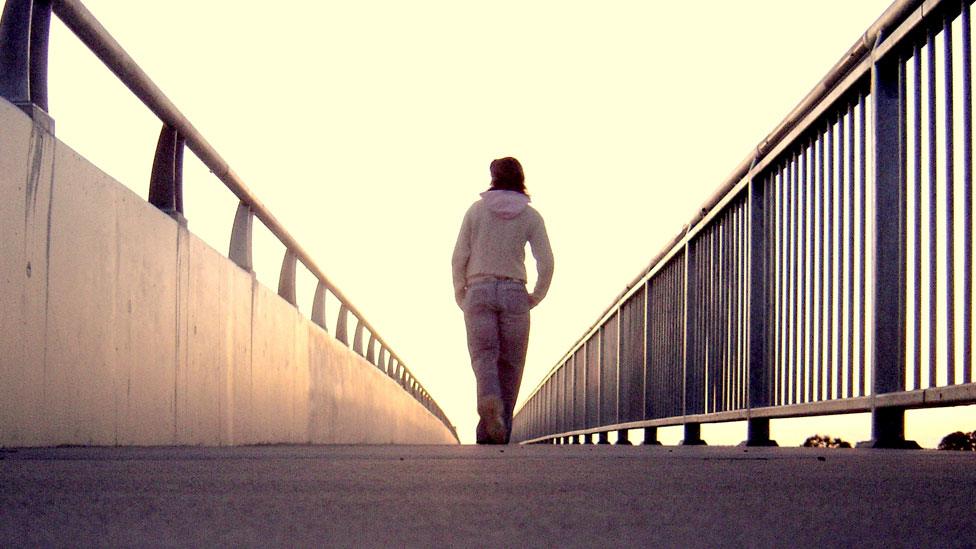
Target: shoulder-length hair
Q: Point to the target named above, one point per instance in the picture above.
(507, 175)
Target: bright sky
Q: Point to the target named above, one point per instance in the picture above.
(367, 128)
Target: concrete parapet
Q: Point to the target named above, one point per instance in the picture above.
(120, 327)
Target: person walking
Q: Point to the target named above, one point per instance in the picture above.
(489, 275)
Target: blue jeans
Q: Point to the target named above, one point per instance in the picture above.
(496, 316)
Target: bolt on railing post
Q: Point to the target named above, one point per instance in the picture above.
(24, 30)
(286, 280)
(759, 276)
(888, 244)
(318, 306)
(241, 238)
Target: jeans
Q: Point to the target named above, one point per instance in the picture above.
(496, 316)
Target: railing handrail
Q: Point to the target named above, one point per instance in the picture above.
(101, 43)
(894, 15)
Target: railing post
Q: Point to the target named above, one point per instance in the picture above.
(650, 437)
(341, 333)
(24, 30)
(357, 341)
(241, 238)
(692, 435)
(759, 275)
(623, 438)
(889, 237)
(371, 350)
(318, 306)
(166, 181)
(286, 280)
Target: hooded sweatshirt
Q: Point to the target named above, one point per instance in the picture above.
(492, 242)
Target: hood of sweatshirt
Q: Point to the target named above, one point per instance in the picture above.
(505, 204)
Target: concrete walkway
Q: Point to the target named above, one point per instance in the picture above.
(487, 497)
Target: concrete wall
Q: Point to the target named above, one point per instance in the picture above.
(119, 327)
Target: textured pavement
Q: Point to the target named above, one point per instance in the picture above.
(420, 496)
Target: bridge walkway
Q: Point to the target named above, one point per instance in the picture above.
(486, 496)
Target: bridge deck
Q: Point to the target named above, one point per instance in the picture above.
(486, 496)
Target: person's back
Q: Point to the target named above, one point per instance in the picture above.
(489, 284)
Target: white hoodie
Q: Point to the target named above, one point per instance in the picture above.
(492, 242)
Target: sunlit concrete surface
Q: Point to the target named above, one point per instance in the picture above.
(486, 496)
(119, 326)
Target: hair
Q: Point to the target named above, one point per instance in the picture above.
(507, 175)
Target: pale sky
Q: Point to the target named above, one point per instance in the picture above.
(367, 128)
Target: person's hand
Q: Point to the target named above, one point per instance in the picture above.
(459, 297)
(532, 301)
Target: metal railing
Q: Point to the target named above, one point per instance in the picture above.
(24, 29)
(823, 277)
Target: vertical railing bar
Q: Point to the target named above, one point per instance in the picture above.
(862, 251)
(818, 360)
(681, 322)
(903, 167)
(716, 320)
(663, 342)
(721, 281)
(783, 270)
(690, 343)
(675, 355)
(654, 337)
(809, 288)
(770, 207)
(732, 358)
(775, 228)
(675, 358)
(950, 208)
(917, 214)
(645, 341)
(828, 231)
(721, 284)
(842, 381)
(670, 358)
(803, 265)
(712, 311)
(732, 362)
(717, 308)
(703, 275)
(725, 286)
(800, 284)
(791, 327)
(744, 300)
(684, 345)
(851, 190)
(967, 159)
(933, 204)
(737, 309)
